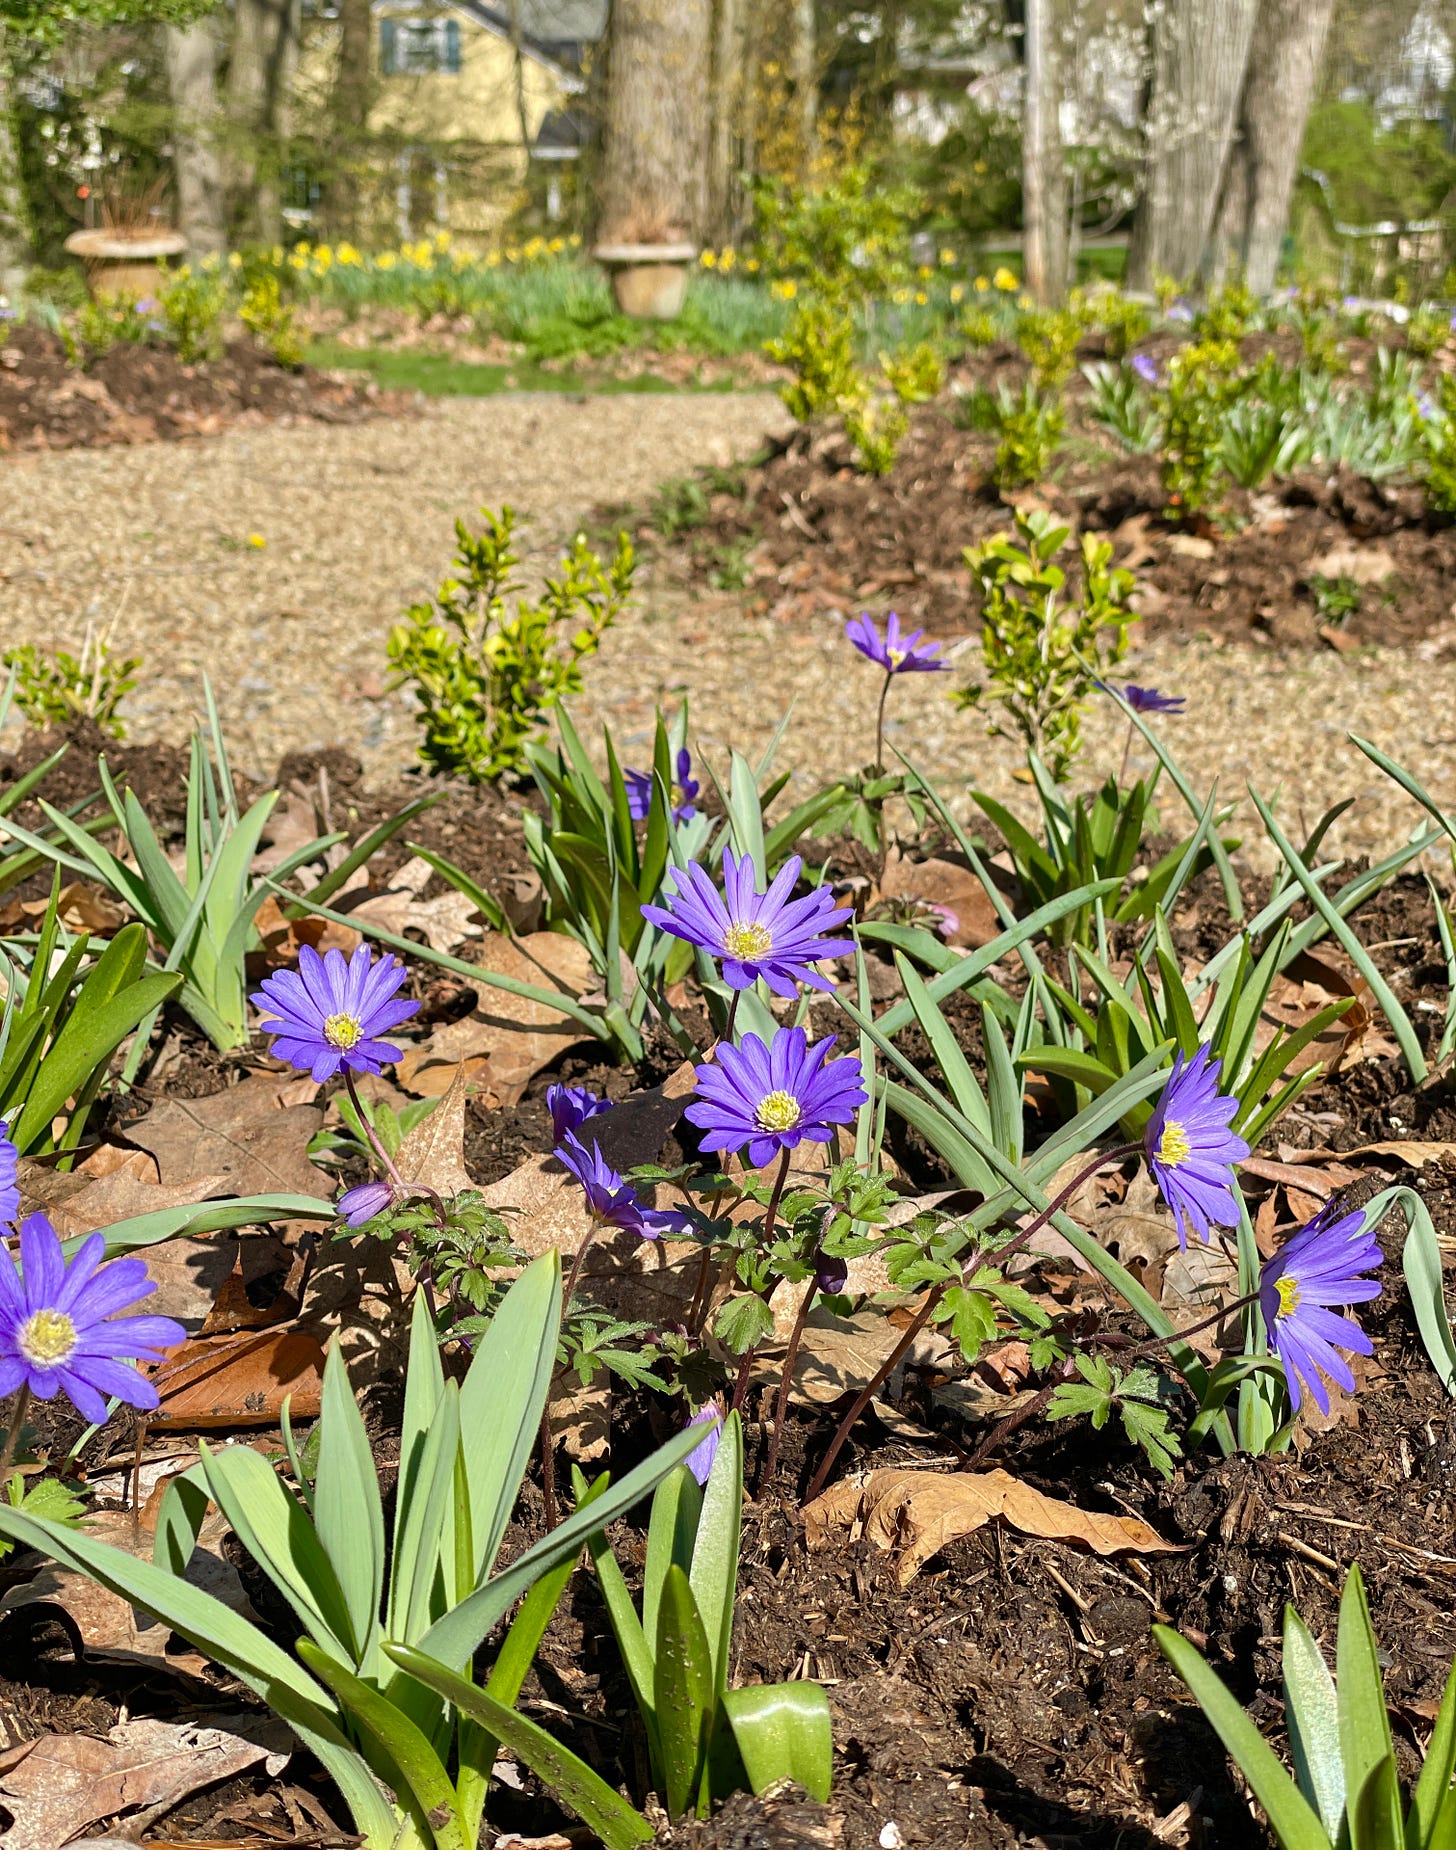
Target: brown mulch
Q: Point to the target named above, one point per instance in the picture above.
(136, 393)
(897, 541)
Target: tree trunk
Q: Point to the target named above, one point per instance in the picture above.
(655, 154)
(350, 101)
(805, 74)
(1283, 67)
(752, 37)
(1043, 177)
(726, 96)
(15, 226)
(192, 83)
(1200, 53)
(259, 97)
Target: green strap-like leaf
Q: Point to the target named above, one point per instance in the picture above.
(619, 1825)
(685, 1691)
(783, 1731)
(1294, 1821)
(1433, 1790)
(714, 1573)
(1313, 1714)
(405, 1748)
(346, 1506)
(1365, 1744)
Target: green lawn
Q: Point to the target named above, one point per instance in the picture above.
(412, 370)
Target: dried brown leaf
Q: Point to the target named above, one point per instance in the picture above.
(245, 1136)
(921, 1512)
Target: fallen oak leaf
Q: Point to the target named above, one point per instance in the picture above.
(245, 1135)
(239, 1380)
(68, 1781)
(433, 1153)
(921, 1512)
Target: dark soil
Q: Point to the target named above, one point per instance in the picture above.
(1011, 1693)
(137, 393)
(822, 531)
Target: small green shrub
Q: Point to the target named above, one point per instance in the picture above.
(1042, 657)
(485, 679)
(191, 305)
(845, 241)
(1438, 439)
(269, 319)
(1048, 338)
(1228, 313)
(1204, 383)
(113, 319)
(1123, 322)
(1427, 331)
(818, 346)
(876, 426)
(54, 687)
(1336, 599)
(980, 328)
(65, 287)
(915, 376)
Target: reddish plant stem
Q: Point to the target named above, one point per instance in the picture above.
(781, 1401)
(548, 1466)
(770, 1219)
(17, 1420)
(927, 1310)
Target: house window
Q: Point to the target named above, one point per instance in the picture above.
(418, 47)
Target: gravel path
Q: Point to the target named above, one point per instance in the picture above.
(357, 521)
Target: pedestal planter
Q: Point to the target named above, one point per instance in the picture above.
(120, 263)
(649, 281)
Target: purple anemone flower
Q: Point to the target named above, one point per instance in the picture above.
(895, 653)
(755, 934)
(571, 1106)
(1146, 368)
(772, 1097)
(329, 1013)
(1148, 699)
(1180, 311)
(831, 1273)
(1190, 1149)
(611, 1200)
(361, 1204)
(700, 1460)
(9, 1188)
(1320, 1267)
(639, 790)
(59, 1327)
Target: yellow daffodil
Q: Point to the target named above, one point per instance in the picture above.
(785, 288)
(708, 259)
(386, 260)
(751, 265)
(727, 260)
(921, 297)
(957, 292)
(235, 260)
(983, 284)
(947, 256)
(1005, 279)
(556, 246)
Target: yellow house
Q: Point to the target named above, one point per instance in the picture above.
(461, 90)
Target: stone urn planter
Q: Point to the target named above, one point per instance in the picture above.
(649, 281)
(125, 263)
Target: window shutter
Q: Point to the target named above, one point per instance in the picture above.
(452, 44)
(388, 57)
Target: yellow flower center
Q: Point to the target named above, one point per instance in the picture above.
(748, 941)
(343, 1031)
(1173, 1145)
(1288, 1289)
(47, 1338)
(779, 1111)
(896, 656)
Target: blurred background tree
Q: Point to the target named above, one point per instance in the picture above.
(1283, 139)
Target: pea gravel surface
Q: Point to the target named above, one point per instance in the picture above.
(275, 559)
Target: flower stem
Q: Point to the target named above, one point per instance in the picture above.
(386, 1161)
(740, 1386)
(575, 1272)
(781, 1402)
(872, 1387)
(548, 1465)
(1126, 754)
(880, 724)
(927, 1309)
(12, 1438)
